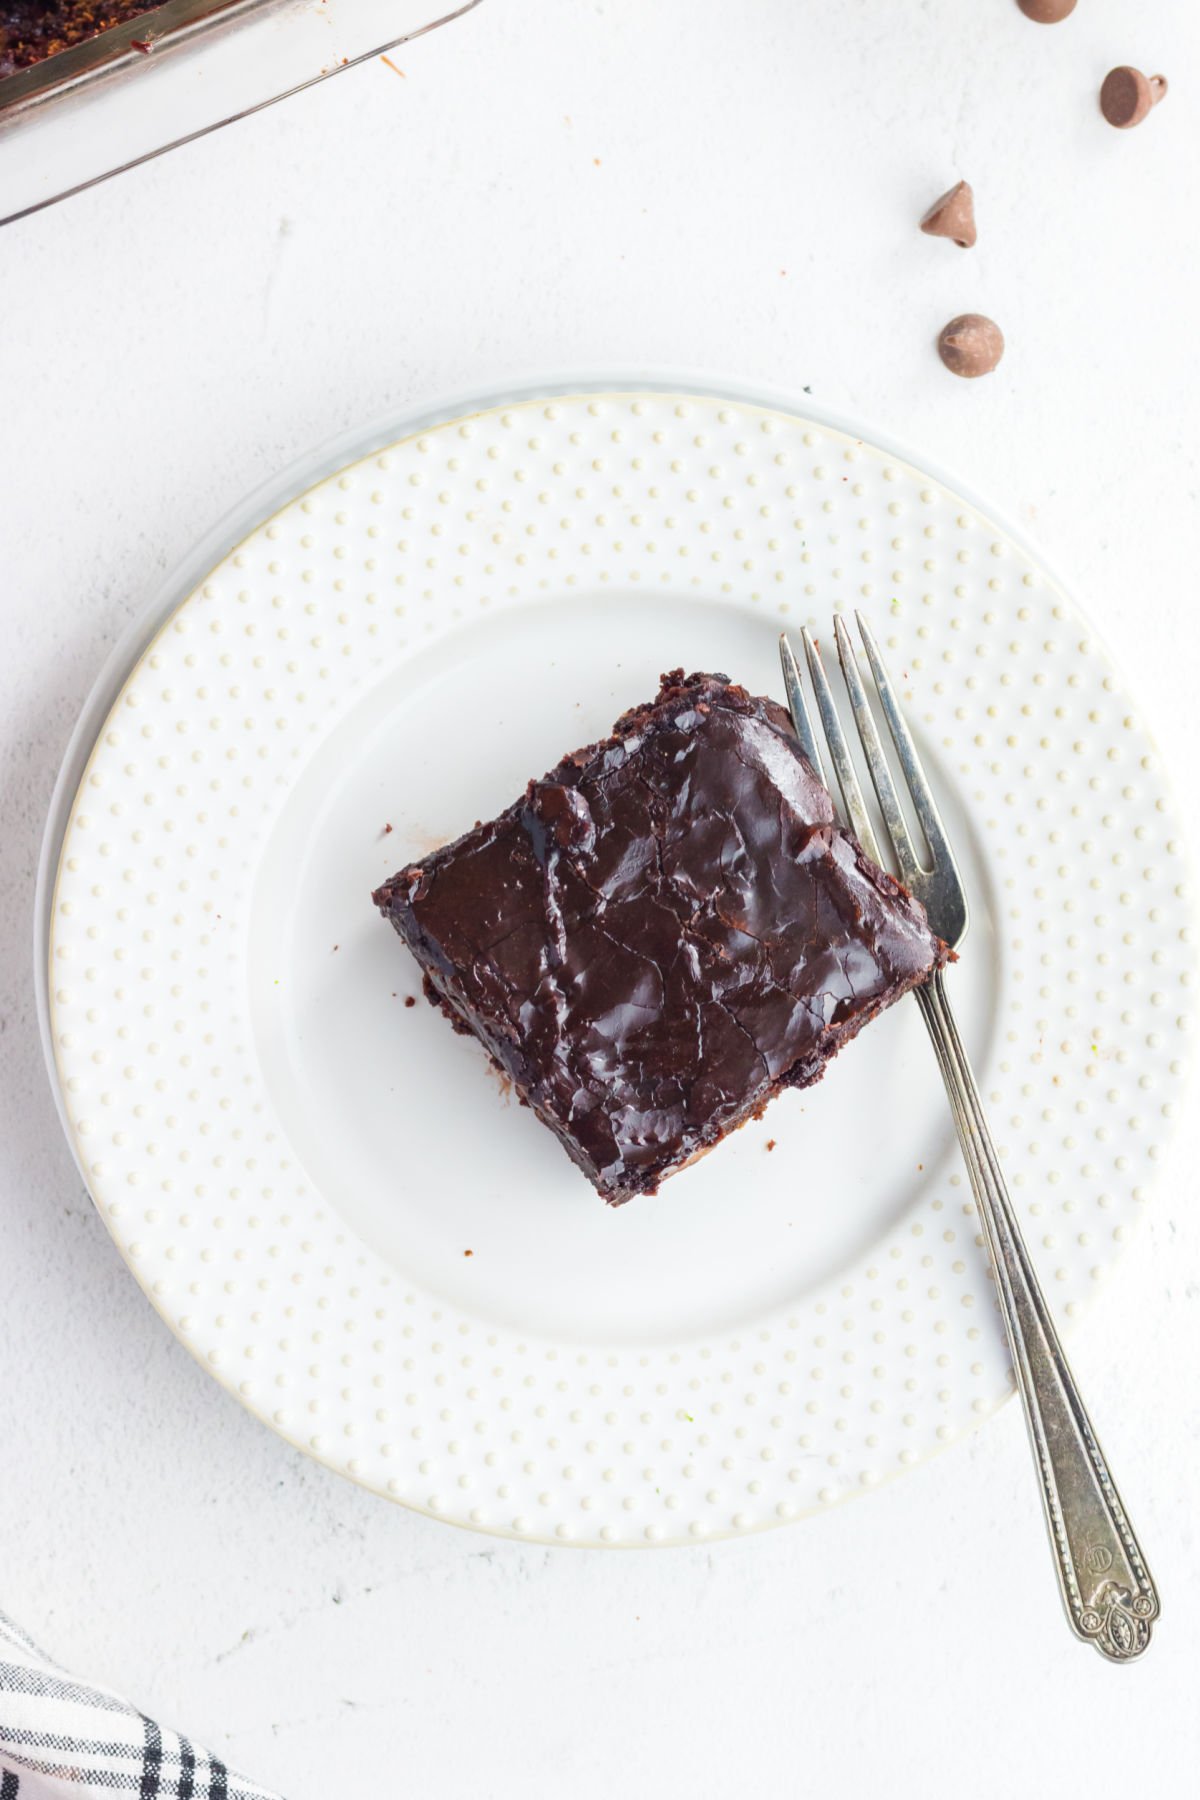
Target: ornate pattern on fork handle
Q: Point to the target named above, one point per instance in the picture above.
(1109, 1595)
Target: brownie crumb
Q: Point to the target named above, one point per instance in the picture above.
(468, 1253)
(410, 999)
(387, 831)
(770, 1143)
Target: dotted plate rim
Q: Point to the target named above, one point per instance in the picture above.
(814, 418)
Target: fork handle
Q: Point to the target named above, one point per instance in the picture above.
(1106, 1587)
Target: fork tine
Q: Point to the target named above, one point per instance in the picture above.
(918, 786)
(881, 776)
(839, 750)
(798, 705)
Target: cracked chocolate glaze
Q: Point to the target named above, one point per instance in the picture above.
(665, 932)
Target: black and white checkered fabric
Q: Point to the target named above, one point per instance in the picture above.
(62, 1739)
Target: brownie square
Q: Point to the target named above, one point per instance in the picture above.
(664, 933)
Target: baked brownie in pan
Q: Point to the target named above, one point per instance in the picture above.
(664, 933)
(31, 30)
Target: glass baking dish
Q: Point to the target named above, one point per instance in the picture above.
(177, 73)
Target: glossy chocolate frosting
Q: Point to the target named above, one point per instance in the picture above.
(664, 932)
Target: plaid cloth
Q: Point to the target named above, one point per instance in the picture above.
(62, 1739)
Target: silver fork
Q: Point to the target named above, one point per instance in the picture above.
(1106, 1587)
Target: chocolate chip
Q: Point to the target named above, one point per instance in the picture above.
(952, 215)
(1046, 12)
(558, 814)
(970, 345)
(1127, 95)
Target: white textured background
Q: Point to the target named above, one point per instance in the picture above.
(723, 185)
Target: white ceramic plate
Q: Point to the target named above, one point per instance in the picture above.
(327, 1193)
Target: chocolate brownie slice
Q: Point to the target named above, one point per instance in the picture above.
(664, 933)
